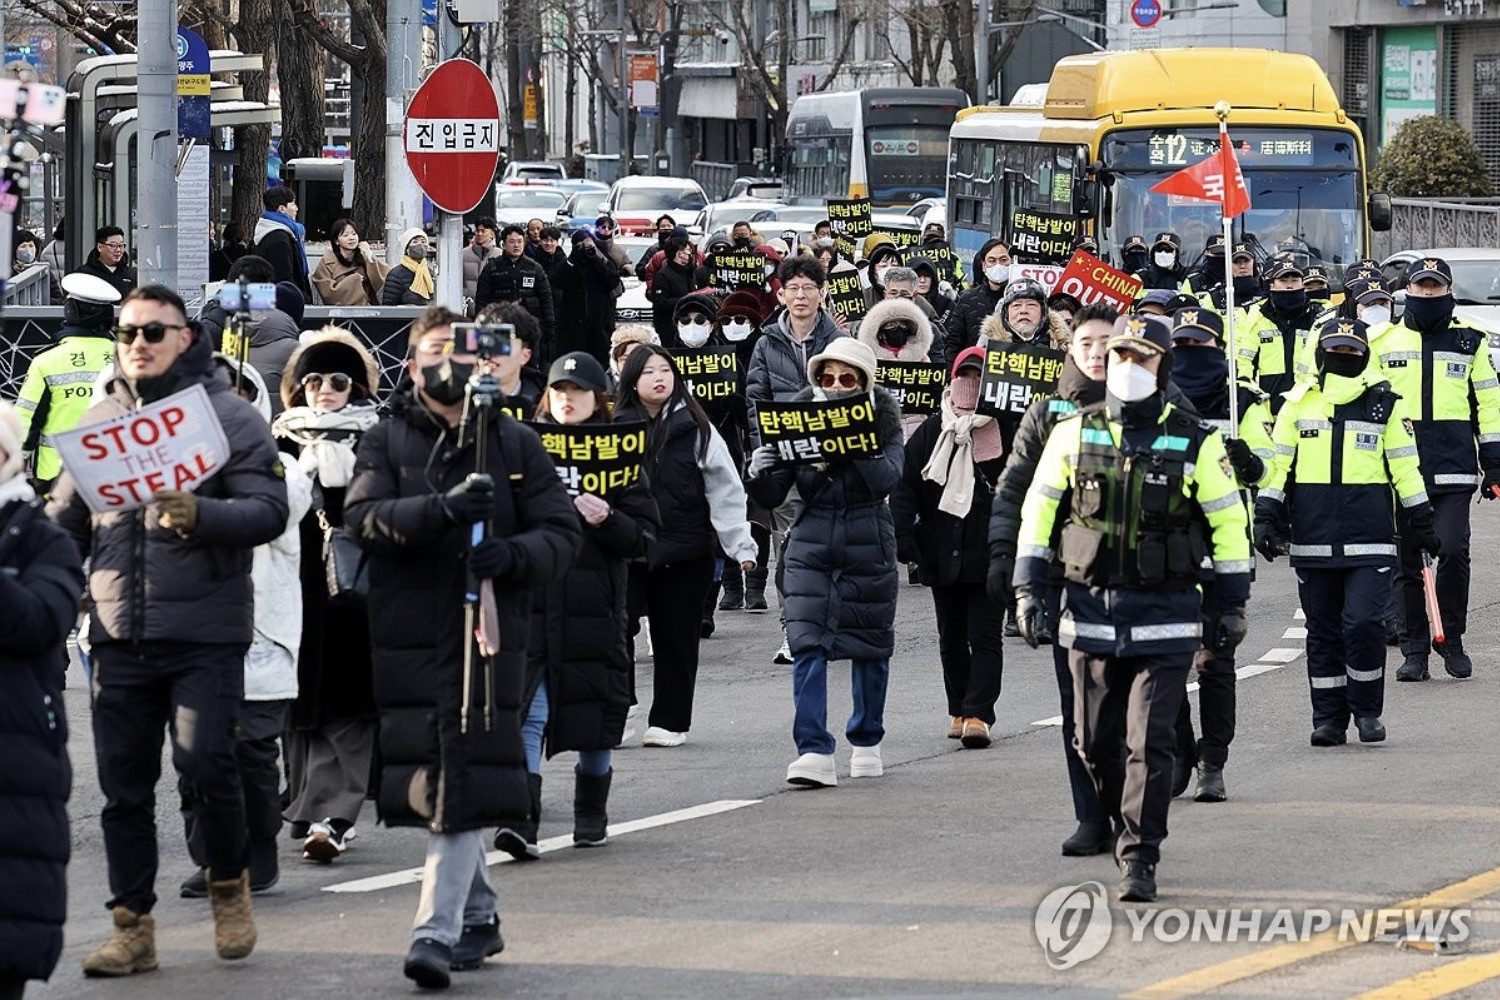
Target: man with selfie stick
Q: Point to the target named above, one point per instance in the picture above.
(450, 742)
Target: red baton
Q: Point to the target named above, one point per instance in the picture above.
(1429, 591)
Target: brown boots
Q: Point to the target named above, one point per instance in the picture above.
(234, 923)
(132, 948)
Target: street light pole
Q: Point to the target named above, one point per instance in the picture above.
(156, 170)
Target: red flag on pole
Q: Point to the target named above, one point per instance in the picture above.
(1206, 181)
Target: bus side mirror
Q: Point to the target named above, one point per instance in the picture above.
(1380, 211)
(1085, 198)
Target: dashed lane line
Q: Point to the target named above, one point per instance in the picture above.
(411, 876)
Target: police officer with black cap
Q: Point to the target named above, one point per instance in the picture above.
(1343, 447)
(1166, 269)
(1145, 492)
(1210, 273)
(1247, 285)
(1276, 330)
(1135, 255)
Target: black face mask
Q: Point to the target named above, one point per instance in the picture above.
(444, 383)
(1290, 301)
(1199, 371)
(1213, 269)
(1429, 314)
(1246, 285)
(1342, 365)
(896, 335)
(743, 243)
(1136, 260)
(1321, 295)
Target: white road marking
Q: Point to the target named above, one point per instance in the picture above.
(411, 876)
(1297, 632)
(1284, 654)
(1299, 615)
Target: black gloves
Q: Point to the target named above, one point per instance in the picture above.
(1269, 541)
(1488, 489)
(491, 558)
(997, 584)
(470, 501)
(1248, 466)
(1231, 630)
(1029, 617)
(1419, 523)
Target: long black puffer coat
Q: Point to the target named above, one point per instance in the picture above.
(41, 578)
(579, 627)
(433, 774)
(841, 578)
(973, 307)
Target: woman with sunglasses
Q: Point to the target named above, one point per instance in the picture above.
(840, 569)
(329, 390)
(698, 491)
(579, 672)
(349, 274)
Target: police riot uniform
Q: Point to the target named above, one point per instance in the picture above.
(1446, 376)
(1343, 445)
(1271, 339)
(1146, 493)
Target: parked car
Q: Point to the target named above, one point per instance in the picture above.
(581, 208)
(539, 170)
(809, 214)
(521, 203)
(721, 215)
(637, 202)
(760, 188)
(632, 306)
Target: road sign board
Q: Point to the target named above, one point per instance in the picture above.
(193, 112)
(452, 135)
(1145, 13)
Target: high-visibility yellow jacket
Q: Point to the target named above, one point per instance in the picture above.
(58, 388)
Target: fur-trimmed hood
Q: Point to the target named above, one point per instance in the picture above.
(887, 310)
(994, 330)
(331, 349)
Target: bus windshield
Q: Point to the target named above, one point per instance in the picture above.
(906, 162)
(1303, 184)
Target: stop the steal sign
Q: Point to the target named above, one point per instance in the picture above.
(172, 444)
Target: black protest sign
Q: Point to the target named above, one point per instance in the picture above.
(594, 458)
(1013, 372)
(712, 373)
(516, 407)
(918, 384)
(814, 431)
(904, 239)
(852, 220)
(1042, 237)
(846, 294)
(734, 270)
(942, 257)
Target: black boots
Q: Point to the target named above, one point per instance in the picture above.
(1371, 729)
(755, 589)
(1329, 735)
(1455, 660)
(519, 841)
(734, 588)
(1414, 668)
(1210, 783)
(1138, 882)
(710, 601)
(590, 816)
(1090, 838)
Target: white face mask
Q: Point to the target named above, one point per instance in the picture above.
(1372, 315)
(1129, 382)
(694, 334)
(736, 330)
(26, 256)
(997, 274)
(881, 268)
(1164, 258)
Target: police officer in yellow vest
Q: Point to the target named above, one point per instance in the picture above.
(1131, 495)
(1343, 444)
(60, 381)
(1441, 365)
(1275, 330)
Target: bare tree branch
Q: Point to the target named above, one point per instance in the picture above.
(308, 20)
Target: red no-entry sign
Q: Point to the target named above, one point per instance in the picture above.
(452, 135)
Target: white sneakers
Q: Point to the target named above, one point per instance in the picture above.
(659, 737)
(813, 770)
(817, 770)
(629, 733)
(866, 763)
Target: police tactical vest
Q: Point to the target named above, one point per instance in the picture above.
(1131, 524)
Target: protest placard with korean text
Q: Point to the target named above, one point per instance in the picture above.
(737, 269)
(712, 373)
(917, 384)
(594, 458)
(846, 294)
(819, 431)
(1013, 373)
(1043, 237)
(852, 220)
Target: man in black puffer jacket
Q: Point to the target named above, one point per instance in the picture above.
(515, 277)
(972, 308)
(451, 756)
(172, 622)
(41, 576)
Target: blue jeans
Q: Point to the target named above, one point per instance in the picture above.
(595, 763)
(866, 725)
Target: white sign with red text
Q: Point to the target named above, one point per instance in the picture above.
(173, 444)
(1045, 274)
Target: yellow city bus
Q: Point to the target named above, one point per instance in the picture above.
(1109, 125)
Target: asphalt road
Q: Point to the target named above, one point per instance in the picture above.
(924, 882)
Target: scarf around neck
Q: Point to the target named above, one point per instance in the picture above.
(421, 277)
(298, 231)
(326, 440)
(967, 438)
